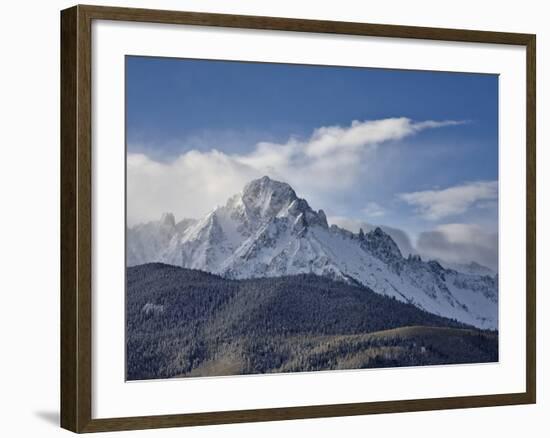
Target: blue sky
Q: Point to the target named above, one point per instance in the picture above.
(418, 177)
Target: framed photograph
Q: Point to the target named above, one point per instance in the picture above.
(269, 218)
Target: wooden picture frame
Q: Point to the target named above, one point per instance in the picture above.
(76, 218)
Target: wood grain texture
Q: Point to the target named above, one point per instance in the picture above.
(299, 25)
(297, 413)
(69, 329)
(76, 218)
(531, 213)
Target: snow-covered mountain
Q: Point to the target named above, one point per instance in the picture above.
(473, 268)
(268, 231)
(152, 241)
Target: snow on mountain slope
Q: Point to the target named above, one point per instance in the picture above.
(154, 240)
(267, 231)
(469, 268)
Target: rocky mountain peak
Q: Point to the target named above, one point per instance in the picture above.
(265, 197)
(168, 219)
(382, 245)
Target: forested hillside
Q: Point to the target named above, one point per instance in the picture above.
(183, 322)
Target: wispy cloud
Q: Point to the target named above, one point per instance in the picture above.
(438, 204)
(335, 139)
(330, 160)
(373, 209)
(460, 243)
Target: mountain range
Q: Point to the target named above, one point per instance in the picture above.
(266, 230)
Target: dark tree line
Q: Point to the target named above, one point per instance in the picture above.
(179, 321)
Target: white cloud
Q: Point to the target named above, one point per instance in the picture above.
(460, 243)
(327, 140)
(190, 186)
(437, 204)
(330, 160)
(373, 209)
